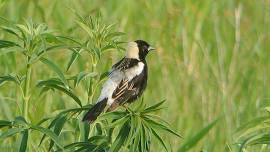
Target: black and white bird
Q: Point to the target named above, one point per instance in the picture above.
(127, 80)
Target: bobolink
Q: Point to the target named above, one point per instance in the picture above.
(127, 80)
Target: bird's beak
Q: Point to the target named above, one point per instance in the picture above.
(151, 48)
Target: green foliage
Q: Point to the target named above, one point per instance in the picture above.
(197, 137)
(253, 133)
(113, 131)
(212, 60)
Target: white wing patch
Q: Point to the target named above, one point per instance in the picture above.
(134, 71)
(115, 78)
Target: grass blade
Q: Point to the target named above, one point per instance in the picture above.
(197, 137)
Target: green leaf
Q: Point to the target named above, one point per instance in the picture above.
(144, 139)
(99, 139)
(118, 122)
(134, 145)
(50, 134)
(24, 141)
(42, 121)
(6, 44)
(59, 124)
(11, 31)
(59, 85)
(76, 144)
(84, 131)
(114, 34)
(191, 142)
(20, 121)
(103, 75)
(68, 92)
(161, 126)
(73, 57)
(159, 138)
(251, 126)
(112, 115)
(56, 69)
(85, 27)
(49, 127)
(52, 81)
(262, 138)
(40, 54)
(70, 39)
(97, 52)
(133, 124)
(153, 108)
(11, 78)
(107, 47)
(5, 123)
(120, 139)
(11, 132)
(83, 75)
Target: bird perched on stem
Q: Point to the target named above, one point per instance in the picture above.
(127, 80)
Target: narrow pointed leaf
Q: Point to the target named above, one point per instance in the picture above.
(120, 139)
(68, 92)
(161, 126)
(56, 69)
(11, 78)
(159, 139)
(57, 129)
(154, 107)
(73, 57)
(6, 44)
(5, 123)
(118, 122)
(24, 141)
(191, 142)
(50, 134)
(11, 132)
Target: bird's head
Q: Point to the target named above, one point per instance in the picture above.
(138, 49)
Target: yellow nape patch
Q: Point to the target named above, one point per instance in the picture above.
(132, 50)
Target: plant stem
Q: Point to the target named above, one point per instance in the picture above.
(26, 90)
(90, 89)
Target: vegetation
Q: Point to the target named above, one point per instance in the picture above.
(211, 67)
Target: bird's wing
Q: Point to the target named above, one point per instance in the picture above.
(128, 89)
(124, 64)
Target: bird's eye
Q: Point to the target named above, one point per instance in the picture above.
(145, 48)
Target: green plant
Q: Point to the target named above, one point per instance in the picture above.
(191, 142)
(33, 41)
(131, 130)
(254, 133)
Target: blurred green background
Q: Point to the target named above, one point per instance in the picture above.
(212, 59)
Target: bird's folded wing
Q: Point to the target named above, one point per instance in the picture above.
(124, 64)
(124, 90)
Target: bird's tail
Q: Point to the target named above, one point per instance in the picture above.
(95, 111)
